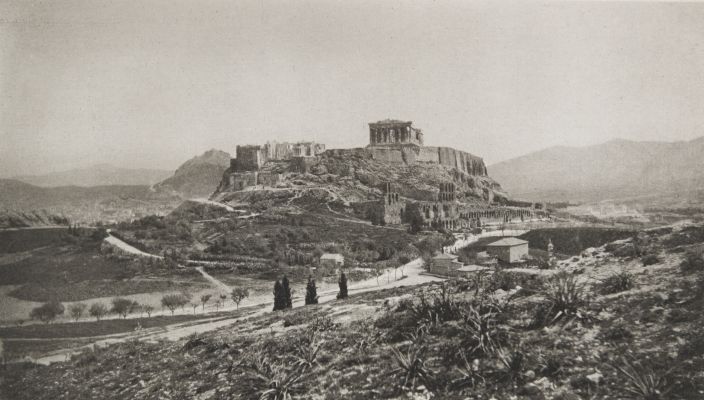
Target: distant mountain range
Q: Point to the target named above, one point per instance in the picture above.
(107, 193)
(97, 175)
(197, 177)
(618, 169)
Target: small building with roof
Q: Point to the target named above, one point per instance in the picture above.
(332, 260)
(509, 250)
(445, 264)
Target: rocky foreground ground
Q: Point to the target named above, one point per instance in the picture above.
(620, 321)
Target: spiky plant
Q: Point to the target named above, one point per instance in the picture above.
(616, 283)
(273, 380)
(565, 301)
(482, 333)
(470, 374)
(513, 363)
(411, 363)
(643, 382)
(306, 351)
(439, 307)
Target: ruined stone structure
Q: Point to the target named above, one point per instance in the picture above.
(242, 180)
(391, 206)
(445, 212)
(394, 132)
(286, 151)
(249, 158)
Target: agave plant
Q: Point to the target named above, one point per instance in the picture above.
(307, 350)
(482, 331)
(565, 300)
(470, 374)
(643, 382)
(411, 363)
(274, 380)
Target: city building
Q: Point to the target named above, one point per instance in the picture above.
(508, 250)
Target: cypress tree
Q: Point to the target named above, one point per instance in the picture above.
(278, 296)
(311, 292)
(343, 287)
(287, 303)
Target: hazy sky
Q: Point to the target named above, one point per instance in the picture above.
(152, 83)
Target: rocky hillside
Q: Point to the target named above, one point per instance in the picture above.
(614, 170)
(621, 321)
(355, 176)
(96, 175)
(197, 177)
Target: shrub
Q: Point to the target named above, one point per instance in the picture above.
(97, 310)
(47, 312)
(649, 259)
(616, 333)
(616, 283)
(439, 307)
(173, 301)
(122, 306)
(76, 310)
(693, 262)
(502, 280)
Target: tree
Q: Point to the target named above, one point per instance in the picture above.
(286, 292)
(414, 217)
(148, 309)
(122, 306)
(173, 301)
(311, 292)
(378, 271)
(223, 298)
(343, 287)
(194, 305)
(204, 299)
(403, 260)
(239, 294)
(97, 310)
(77, 310)
(47, 312)
(279, 302)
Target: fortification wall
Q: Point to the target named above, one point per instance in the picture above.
(428, 154)
(387, 154)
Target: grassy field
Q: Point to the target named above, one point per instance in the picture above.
(14, 241)
(93, 328)
(70, 268)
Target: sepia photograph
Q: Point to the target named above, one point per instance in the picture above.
(329, 199)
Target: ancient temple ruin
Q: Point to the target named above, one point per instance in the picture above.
(394, 132)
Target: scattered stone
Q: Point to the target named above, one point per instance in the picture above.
(595, 377)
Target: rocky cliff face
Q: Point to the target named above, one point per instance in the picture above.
(355, 175)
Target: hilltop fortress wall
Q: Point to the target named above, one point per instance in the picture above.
(461, 160)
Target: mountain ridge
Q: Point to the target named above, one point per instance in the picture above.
(613, 169)
(103, 174)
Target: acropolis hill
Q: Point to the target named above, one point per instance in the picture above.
(396, 168)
